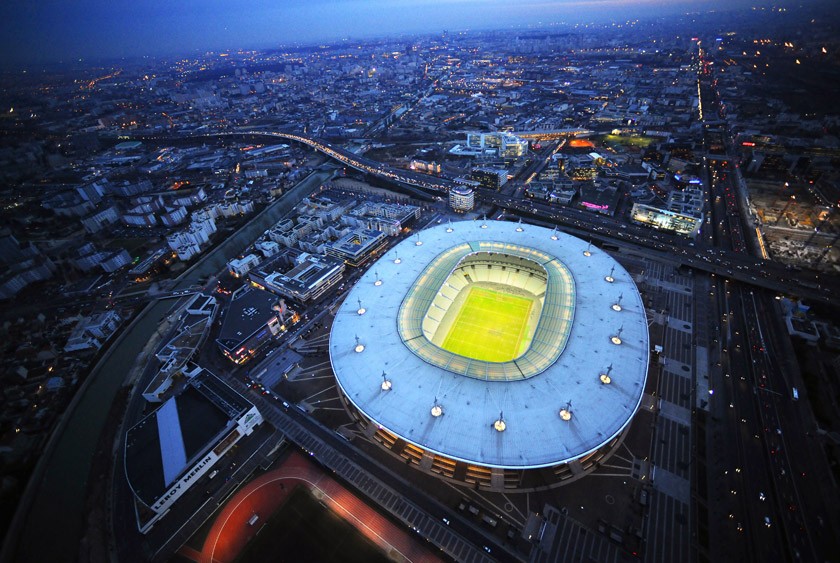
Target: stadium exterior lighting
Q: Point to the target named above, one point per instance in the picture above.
(587, 252)
(378, 281)
(359, 346)
(404, 305)
(605, 377)
(617, 338)
(617, 305)
(500, 425)
(361, 310)
(386, 383)
(610, 277)
(566, 412)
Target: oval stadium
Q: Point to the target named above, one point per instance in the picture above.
(493, 354)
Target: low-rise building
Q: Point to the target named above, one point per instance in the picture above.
(91, 332)
(238, 267)
(169, 450)
(310, 278)
(357, 246)
(462, 199)
(253, 318)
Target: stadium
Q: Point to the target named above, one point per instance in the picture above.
(495, 354)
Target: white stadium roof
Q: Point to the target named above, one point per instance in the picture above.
(534, 433)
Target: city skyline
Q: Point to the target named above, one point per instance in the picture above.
(51, 32)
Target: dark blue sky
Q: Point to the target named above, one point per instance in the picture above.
(50, 30)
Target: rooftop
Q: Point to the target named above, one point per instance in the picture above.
(166, 442)
(398, 388)
(247, 313)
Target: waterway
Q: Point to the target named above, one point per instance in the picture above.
(51, 520)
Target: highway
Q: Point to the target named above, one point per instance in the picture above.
(763, 488)
(729, 263)
(736, 263)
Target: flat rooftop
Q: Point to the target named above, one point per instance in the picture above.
(470, 404)
(171, 439)
(245, 315)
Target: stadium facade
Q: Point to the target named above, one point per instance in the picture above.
(493, 353)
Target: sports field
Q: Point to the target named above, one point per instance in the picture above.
(490, 326)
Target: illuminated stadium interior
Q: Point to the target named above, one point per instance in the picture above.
(485, 313)
(493, 354)
(509, 278)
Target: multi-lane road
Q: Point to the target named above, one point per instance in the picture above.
(764, 487)
(735, 263)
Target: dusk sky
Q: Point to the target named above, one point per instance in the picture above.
(52, 30)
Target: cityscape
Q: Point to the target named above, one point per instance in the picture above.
(549, 286)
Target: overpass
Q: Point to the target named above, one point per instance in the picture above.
(765, 273)
(352, 160)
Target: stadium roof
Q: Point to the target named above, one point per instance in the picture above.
(534, 434)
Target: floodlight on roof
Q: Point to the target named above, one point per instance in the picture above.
(484, 224)
(554, 234)
(587, 252)
(610, 277)
(378, 281)
(617, 338)
(437, 410)
(418, 242)
(397, 258)
(605, 377)
(617, 305)
(449, 228)
(361, 310)
(519, 228)
(359, 346)
(386, 383)
(566, 412)
(500, 425)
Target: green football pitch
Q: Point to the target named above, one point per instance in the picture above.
(490, 326)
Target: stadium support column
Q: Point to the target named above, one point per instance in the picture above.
(426, 461)
(497, 479)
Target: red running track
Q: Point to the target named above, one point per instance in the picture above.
(262, 496)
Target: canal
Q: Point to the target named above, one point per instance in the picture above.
(50, 520)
